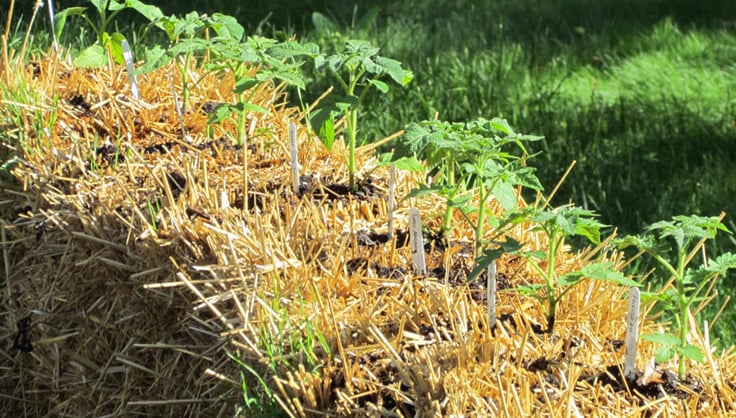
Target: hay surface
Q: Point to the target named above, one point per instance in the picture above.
(148, 253)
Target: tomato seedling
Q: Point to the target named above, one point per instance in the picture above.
(687, 233)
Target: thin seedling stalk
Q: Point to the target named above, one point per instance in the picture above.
(391, 192)
(447, 219)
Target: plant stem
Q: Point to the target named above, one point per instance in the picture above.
(550, 279)
(352, 115)
(353, 136)
(482, 195)
(450, 179)
(684, 309)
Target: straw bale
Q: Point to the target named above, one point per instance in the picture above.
(149, 257)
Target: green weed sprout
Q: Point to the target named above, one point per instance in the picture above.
(96, 55)
(687, 233)
(356, 69)
(557, 225)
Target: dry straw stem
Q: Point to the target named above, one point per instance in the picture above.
(140, 280)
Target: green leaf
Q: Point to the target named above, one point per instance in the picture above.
(292, 79)
(100, 4)
(91, 57)
(570, 279)
(226, 26)
(224, 110)
(61, 17)
(391, 67)
(150, 12)
(408, 164)
(685, 229)
(424, 190)
(115, 42)
(360, 49)
(330, 107)
(642, 242)
(604, 271)
(152, 57)
(590, 229)
(692, 352)
(244, 84)
(532, 290)
(506, 195)
(502, 125)
(538, 254)
(717, 267)
(662, 339)
(663, 354)
(508, 245)
(327, 133)
(291, 49)
(380, 85)
(647, 297)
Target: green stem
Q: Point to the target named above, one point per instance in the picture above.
(550, 279)
(684, 309)
(450, 179)
(482, 195)
(352, 116)
(353, 137)
(185, 83)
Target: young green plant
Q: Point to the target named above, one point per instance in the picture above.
(356, 69)
(679, 239)
(467, 160)
(96, 54)
(558, 225)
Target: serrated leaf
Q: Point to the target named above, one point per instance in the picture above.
(642, 242)
(292, 79)
(423, 190)
(532, 290)
(221, 112)
(604, 271)
(663, 354)
(538, 254)
(152, 57)
(360, 49)
(570, 279)
(662, 339)
(506, 195)
(290, 49)
(692, 352)
(224, 110)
